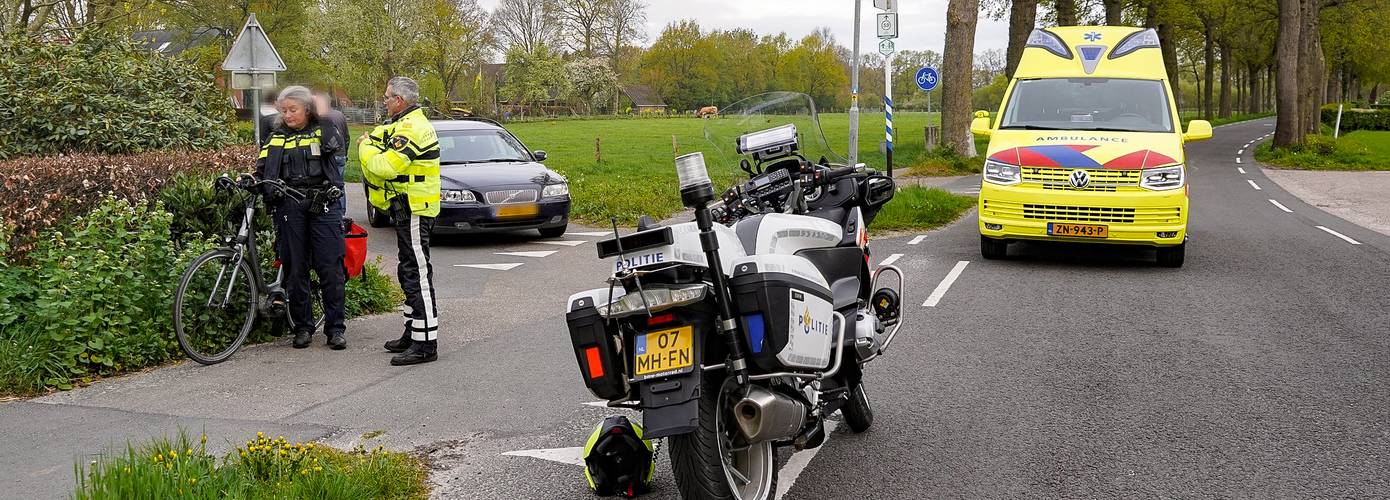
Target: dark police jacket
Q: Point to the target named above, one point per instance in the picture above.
(301, 158)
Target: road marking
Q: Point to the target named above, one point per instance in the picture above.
(1339, 235)
(533, 255)
(798, 462)
(1240, 169)
(1237, 160)
(492, 267)
(573, 455)
(945, 285)
(1280, 205)
(591, 233)
(1253, 185)
(890, 260)
(567, 243)
(917, 239)
(1240, 151)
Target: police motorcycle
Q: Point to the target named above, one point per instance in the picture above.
(732, 361)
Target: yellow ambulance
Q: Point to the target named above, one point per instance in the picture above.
(1087, 146)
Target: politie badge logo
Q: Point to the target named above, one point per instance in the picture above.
(398, 142)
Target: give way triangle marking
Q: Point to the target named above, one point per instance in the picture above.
(493, 267)
(534, 255)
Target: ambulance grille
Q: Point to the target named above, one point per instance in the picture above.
(1102, 180)
(1067, 213)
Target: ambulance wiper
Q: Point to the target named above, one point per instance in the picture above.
(1112, 129)
(1025, 127)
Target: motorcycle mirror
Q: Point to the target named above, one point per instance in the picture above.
(747, 167)
(878, 190)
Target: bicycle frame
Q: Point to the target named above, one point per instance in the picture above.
(243, 246)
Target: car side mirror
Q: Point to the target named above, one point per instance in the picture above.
(980, 125)
(1197, 130)
(878, 190)
(539, 155)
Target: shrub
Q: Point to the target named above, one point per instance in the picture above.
(1357, 119)
(102, 93)
(373, 292)
(37, 194)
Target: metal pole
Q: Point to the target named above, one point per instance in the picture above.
(1337, 130)
(256, 113)
(854, 94)
(888, 107)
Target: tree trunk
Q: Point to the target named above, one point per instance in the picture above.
(1288, 129)
(1375, 93)
(1023, 16)
(1239, 86)
(1114, 12)
(1066, 12)
(1197, 79)
(957, 64)
(1225, 80)
(1209, 55)
(1255, 92)
(1334, 86)
(1313, 68)
(1169, 46)
(1270, 71)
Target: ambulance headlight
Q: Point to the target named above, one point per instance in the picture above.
(1002, 173)
(1050, 42)
(1135, 41)
(1162, 179)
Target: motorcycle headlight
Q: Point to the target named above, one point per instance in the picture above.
(1002, 173)
(456, 196)
(555, 190)
(657, 299)
(1162, 179)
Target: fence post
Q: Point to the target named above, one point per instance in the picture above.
(1337, 130)
(598, 150)
(675, 149)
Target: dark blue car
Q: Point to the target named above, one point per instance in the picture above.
(489, 181)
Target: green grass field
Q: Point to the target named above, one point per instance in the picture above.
(1359, 150)
(918, 208)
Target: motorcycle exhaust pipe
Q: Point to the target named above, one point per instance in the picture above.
(764, 415)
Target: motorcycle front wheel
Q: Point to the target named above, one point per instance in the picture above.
(715, 462)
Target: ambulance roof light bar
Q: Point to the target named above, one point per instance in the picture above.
(1138, 40)
(1050, 42)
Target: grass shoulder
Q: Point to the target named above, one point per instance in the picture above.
(1362, 150)
(919, 209)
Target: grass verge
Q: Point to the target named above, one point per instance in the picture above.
(263, 468)
(1187, 117)
(918, 208)
(1361, 150)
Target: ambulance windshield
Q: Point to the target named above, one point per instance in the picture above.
(1102, 104)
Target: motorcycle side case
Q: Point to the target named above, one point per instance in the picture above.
(787, 318)
(596, 348)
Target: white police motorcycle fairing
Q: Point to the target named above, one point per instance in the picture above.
(733, 360)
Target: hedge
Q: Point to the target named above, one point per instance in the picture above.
(1357, 119)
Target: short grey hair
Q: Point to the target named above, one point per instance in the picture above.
(296, 93)
(405, 87)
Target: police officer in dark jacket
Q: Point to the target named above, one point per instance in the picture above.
(309, 231)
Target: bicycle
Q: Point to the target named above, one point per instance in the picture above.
(231, 279)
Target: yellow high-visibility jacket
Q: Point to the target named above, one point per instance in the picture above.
(401, 158)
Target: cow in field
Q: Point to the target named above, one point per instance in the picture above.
(707, 111)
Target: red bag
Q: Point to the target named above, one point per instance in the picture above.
(356, 254)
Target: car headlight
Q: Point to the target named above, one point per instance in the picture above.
(456, 196)
(1161, 179)
(1002, 173)
(658, 299)
(554, 190)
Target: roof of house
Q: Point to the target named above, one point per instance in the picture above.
(172, 43)
(643, 95)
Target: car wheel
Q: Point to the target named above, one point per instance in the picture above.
(993, 249)
(554, 232)
(1171, 256)
(377, 218)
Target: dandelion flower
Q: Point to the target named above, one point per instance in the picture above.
(260, 434)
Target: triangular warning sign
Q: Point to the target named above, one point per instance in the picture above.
(252, 51)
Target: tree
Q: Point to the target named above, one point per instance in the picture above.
(529, 24)
(457, 39)
(680, 66)
(366, 42)
(1288, 131)
(591, 81)
(1064, 9)
(1023, 17)
(813, 68)
(535, 75)
(1114, 12)
(956, 67)
(624, 23)
(583, 23)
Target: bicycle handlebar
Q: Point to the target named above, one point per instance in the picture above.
(248, 182)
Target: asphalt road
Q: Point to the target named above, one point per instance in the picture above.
(1258, 369)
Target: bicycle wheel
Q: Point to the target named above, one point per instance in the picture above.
(214, 306)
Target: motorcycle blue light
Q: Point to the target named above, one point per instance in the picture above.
(756, 331)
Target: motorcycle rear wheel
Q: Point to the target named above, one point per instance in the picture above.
(713, 463)
(859, 414)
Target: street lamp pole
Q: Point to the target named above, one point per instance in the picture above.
(854, 94)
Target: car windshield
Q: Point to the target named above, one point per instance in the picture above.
(1107, 104)
(480, 146)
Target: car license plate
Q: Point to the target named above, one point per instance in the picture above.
(1081, 230)
(520, 210)
(663, 351)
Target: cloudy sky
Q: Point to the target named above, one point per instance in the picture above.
(922, 23)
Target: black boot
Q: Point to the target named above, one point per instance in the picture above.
(400, 344)
(336, 341)
(419, 352)
(302, 338)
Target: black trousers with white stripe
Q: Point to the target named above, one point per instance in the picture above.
(415, 272)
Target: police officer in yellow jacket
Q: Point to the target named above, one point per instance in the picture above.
(400, 165)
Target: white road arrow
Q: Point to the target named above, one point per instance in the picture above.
(492, 267)
(573, 455)
(533, 255)
(567, 243)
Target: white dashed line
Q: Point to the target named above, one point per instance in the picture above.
(945, 285)
(492, 267)
(533, 255)
(1240, 152)
(1237, 160)
(1253, 185)
(591, 233)
(1240, 169)
(568, 243)
(890, 260)
(917, 239)
(798, 462)
(1339, 235)
(1280, 205)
